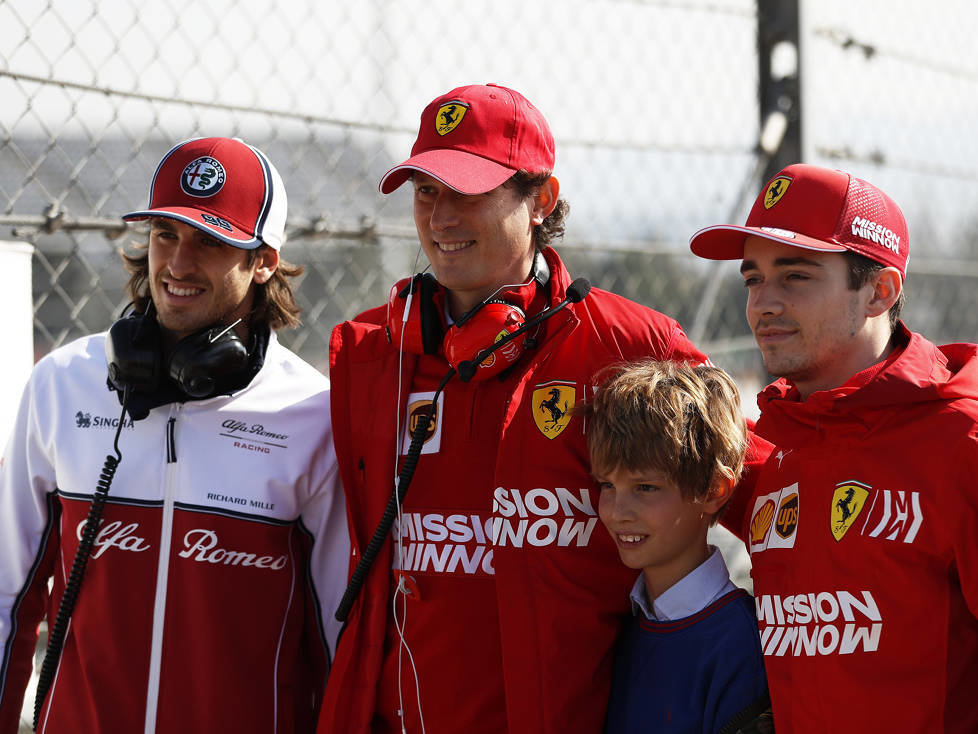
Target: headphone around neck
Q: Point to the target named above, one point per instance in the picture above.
(416, 324)
(201, 364)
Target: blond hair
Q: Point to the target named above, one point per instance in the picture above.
(681, 420)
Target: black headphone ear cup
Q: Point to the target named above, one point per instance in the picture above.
(492, 321)
(421, 332)
(133, 355)
(207, 360)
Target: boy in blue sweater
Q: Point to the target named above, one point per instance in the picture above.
(667, 444)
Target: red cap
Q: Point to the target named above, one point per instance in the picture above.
(474, 138)
(816, 209)
(222, 186)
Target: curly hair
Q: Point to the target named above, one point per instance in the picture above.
(681, 420)
(274, 305)
(551, 228)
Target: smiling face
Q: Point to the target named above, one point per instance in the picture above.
(811, 328)
(654, 526)
(476, 243)
(196, 280)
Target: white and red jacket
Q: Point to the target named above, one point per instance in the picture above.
(862, 532)
(207, 605)
(560, 592)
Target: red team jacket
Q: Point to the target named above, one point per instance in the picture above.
(862, 539)
(559, 587)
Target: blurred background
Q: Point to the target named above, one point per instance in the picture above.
(669, 115)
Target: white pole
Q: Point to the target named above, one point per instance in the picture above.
(18, 332)
(17, 305)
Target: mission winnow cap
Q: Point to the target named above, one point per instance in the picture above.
(818, 209)
(223, 186)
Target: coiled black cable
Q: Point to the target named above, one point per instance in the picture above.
(359, 574)
(56, 637)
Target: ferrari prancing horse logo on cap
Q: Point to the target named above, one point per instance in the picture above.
(202, 177)
(449, 116)
(775, 190)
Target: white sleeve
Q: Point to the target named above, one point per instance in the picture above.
(27, 539)
(325, 517)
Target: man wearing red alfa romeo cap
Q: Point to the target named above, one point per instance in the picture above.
(194, 573)
(861, 526)
(494, 602)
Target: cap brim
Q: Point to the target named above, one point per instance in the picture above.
(465, 172)
(194, 217)
(726, 241)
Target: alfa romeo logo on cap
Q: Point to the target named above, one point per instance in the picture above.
(449, 116)
(202, 177)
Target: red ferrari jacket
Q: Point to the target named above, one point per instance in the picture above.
(560, 588)
(862, 540)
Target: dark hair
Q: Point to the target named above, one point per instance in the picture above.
(861, 270)
(526, 184)
(274, 305)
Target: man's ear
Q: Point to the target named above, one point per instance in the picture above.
(265, 264)
(887, 286)
(721, 488)
(544, 200)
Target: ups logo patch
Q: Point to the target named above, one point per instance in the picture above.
(787, 519)
(418, 405)
(416, 411)
(551, 405)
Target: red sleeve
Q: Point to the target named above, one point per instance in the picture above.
(683, 350)
(960, 512)
(737, 512)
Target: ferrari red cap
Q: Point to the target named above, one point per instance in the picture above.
(816, 209)
(223, 186)
(476, 137)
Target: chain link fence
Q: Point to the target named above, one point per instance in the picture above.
(653, 104)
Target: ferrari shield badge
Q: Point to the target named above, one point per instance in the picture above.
(449, 116)
(552, 402)
(775, 190)
(847, 503)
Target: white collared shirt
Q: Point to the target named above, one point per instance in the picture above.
(695, 591)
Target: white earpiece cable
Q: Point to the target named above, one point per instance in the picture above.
(400, 622)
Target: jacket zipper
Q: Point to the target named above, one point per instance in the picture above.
(162, 575)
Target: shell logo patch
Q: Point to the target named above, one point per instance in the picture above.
(203, 177)
(449, 116)
(761, 522)
(775, 190)
(847, 503)
(551, 405)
